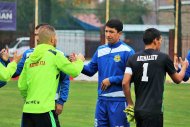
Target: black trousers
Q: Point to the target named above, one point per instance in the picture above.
(149, 120)
(48, 119)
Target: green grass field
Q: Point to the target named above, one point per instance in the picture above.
(79, 109)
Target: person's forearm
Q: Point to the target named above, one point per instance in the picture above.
(182, 73)
(7, 72)
(178, 77)
(127, 93)
(116, 79)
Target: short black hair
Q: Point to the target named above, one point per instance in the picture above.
(2, 46)
(115, 23)
(151, 34)
(41, 24)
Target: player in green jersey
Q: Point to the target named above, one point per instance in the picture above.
(39, 79)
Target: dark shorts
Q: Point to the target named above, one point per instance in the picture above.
(149, 120)
(48, 119)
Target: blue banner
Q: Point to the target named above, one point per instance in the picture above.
(8, 16)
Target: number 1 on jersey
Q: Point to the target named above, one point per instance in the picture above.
(145, 69)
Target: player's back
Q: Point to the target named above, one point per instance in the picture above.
(149, 68)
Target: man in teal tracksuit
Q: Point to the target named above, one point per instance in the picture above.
(39, 79)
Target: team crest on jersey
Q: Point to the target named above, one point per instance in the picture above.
(117, 58)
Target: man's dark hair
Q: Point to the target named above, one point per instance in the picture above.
(2, 46)
(39, 25)
(151, 34)
(115, 23)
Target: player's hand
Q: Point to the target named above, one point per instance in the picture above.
(105, 84)
(184, 63)
(80, 56)
(176, 63)
(72, 57)
(17, 57)
(58, 109)
(4, 53)
(130, 113)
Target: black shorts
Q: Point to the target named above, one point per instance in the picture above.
(149, 120)
(48, 119)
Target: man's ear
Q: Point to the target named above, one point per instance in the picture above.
(52, 41)
(155, 41)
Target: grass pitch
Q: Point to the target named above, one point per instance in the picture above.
(79, 109)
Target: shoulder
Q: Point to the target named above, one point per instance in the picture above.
(103, 50)
(163, 55)
(123, 47)
(102, 47)
(2, 61)
(56, 52)
(139, 53)
(28, 52)
(126, 47)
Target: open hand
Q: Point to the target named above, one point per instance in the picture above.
(4, 53)
(17, 57)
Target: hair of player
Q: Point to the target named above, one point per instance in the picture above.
(115, 23)
(45, 34)
(151, 34)
(41, 24)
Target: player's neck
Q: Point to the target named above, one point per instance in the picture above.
(151, 46)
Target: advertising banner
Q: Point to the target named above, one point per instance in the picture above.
(8, 16)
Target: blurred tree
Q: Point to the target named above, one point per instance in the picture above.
(63, 11)
(129, 11)
(60, 12)
(25, 15)
(45, 10)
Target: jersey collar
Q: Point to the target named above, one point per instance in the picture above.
(115, 45)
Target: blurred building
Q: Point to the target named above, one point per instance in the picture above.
(133, 35)
(166, 16)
